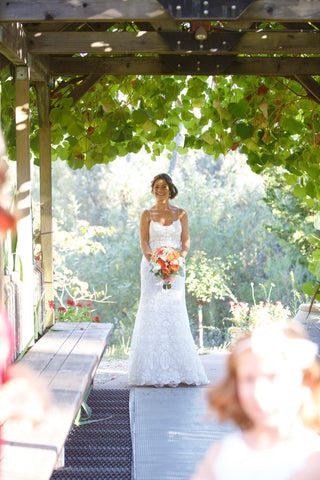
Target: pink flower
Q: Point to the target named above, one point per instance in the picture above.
(52, 304)
(96, 318)
(88, 304)
(70, 302)
(79, 305)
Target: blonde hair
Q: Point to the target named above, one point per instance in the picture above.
(223, 397)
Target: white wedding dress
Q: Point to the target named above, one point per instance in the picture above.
(162, 348)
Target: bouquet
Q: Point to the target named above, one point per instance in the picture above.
(166, 262)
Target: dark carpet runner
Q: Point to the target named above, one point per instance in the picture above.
(100, 450)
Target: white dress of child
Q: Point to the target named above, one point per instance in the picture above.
(236, 460)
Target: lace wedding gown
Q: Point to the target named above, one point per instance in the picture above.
(162, 348)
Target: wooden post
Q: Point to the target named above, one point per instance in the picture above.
(43, 104)
(200, 320)
(24, 228)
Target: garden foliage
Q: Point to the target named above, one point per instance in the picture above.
(97, 250)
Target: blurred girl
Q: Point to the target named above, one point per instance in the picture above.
(272, 392)
(23, 396)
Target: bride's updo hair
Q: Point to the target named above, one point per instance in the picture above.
(173, 191)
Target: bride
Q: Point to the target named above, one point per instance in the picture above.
(163, 352)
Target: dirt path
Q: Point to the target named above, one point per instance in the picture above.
(113, 373)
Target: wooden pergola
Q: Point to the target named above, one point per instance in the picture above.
(44, 40)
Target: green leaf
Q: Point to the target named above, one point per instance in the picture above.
(149, 126)
(182, 150)
(75, 162)
(244, 130)
(314, 268)
(317, 221)
(314, 172)
(291, 179)
(291, 124)
(299, 191)
(316, 254)
(238, 109)
(310, 189)
(76, 128)
(208, 138)
(309, 289)
(317, 270)
(139, 116)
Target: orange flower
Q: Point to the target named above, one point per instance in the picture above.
(170, 257)
(161, 262)
(166, 270)
(176, 253)
(174, 267)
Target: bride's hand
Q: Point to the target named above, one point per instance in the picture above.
(168, 278)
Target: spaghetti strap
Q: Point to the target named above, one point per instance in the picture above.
(150, 214)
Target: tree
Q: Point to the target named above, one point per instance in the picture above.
(206, 279)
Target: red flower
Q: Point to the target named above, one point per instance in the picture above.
(88, 304)
(79, 305)
(97, 319)
(62, 309)
(51, 304)
(70, 302)
(7, 221)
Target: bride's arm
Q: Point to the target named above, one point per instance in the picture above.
(144, 234)
(185, 237)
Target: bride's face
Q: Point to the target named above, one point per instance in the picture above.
(161, 189)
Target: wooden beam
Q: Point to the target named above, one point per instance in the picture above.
(310, 85)
(80, 90)
(97, 42)
(39, 68)
(4, 62)
(142, 10)
(81, 11)
(25, 248)
(283, 10)
(256, 42)
(13, 43)
(43, 105)
(14, 48)
(168, 65)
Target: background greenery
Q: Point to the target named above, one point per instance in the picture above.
(238, 223)
(251, 232)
